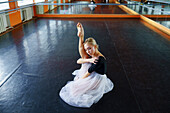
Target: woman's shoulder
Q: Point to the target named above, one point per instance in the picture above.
(102, 57)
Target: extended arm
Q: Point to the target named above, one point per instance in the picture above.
(80, 34)
(87, 60)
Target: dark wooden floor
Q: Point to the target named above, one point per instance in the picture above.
(37, 59)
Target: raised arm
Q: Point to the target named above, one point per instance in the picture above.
(80, 34)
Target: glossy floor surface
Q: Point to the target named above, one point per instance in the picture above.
(37, 59)
(87, 9)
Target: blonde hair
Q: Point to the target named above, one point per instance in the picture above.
(91, 41)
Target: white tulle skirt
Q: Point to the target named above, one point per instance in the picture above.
(85, 92)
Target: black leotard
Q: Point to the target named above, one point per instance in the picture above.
(99, 67)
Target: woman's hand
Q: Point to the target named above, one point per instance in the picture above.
(80, 30)
(93, 60)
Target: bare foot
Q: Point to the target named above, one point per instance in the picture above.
(76, 78)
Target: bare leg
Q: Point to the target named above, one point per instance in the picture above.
(80, 34)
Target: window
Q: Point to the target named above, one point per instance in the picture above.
(3, 1)
(25, 2)
(4, 6)
(36, 1)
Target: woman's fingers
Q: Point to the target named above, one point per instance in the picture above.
(79, 25)
(95, 60)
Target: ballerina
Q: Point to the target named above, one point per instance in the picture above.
(90, 82)
(92, 5)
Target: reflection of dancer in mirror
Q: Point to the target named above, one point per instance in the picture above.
(90, 82)
(92, 2)
(92, 5)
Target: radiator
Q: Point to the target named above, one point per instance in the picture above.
(29, 13)
(51, 7)
(26, 14)
(40, 9)
(3, 23)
